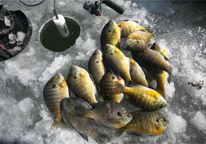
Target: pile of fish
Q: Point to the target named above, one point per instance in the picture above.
(112, 80)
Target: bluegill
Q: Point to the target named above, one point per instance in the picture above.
(153, 61)
(81, 84)
(116, 61)
(137, 74)
(145, 123)
(54, 91)
(137, 41)
(129, 26)
(82, 125)
(143, 97)
(108, 87)
(108, 113)
(111, 34)
(160, 78)
(96, 66)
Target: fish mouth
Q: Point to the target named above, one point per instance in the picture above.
(112, 24)
(98, 52)
(60, 76)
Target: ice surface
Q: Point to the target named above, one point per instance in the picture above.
(199, 121)
(180, 29)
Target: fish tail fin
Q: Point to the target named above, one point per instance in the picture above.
(102, 138)
(169, 70)
(56, 124)
(119, 132)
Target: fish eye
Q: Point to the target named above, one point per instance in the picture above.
(109, 30)
(53, 86)
(154, 102)
(164, 120)
(157, 120)
(113, 77)
(119, 114)
(128, 115)
(137, 41)
(111, 53)
(75, 77)
(97, 61)
(68, 101)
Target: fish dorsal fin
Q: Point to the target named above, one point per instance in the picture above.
(165, 57)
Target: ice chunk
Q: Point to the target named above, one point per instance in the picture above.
(177, 123)
(20, 37)
(12, 38)
(56, 65)
(199, 121)
(7, 21)
(26, 105)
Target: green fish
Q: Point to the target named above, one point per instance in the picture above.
(108, 87)
(143, 97)
(137, 74)
(116, 61)
(137, 41)
(82, 125)
(108, 113)
(81, 84)
(54, 91)
(152, 60)
(160, 78)
(96, 66)
(111, 34)
(145, 123)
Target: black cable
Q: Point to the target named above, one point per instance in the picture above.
(33, 4)
(55, 13)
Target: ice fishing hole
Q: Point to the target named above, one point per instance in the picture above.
(51, 38)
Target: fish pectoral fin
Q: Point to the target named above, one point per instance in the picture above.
(84, 136)
(137, 133)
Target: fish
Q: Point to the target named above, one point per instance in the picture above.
(111, 34)
(153, 61)
(84, 126)
(54, 91)
(80, 83)
(117, 62)
(160, 78)
(137, 74)
(137, 41)
(143, 97)
(130, 26)
(96, 66)
(145, 123)
(108, 87)
(107, 113)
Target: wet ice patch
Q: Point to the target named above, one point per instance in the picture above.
(199, 121)
(56, 65)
